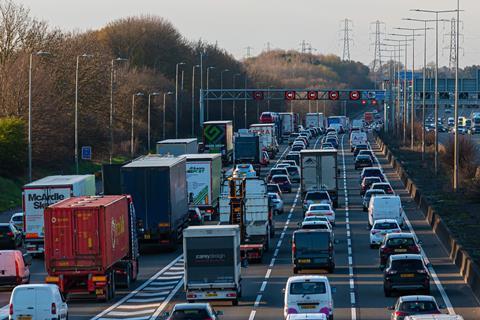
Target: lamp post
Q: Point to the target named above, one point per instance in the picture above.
(76, 107)
(40, 54)
(153, 94)
(208, 86)
(112, 78)
(176, 97)
(233, 102)
(193, 99)
(221, 94)
(245, 102)
(436, 12)
(163, 113)
(138, 94)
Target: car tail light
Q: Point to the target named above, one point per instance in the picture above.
(54, 308)
(10, 311)
(10, 234)
(392, 271)
(375, 231)
(291, 311)
(209, 211)
(386, 249)
(400, 314)
(422, 271)
(414, 249)
(329, 213)
(294, 248)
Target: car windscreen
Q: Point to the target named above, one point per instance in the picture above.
(316, 196)
(364, 157)
(312, 226)
(312, 241)
(418, 306)
(319, 207)
(395, 242)
(292, 170)
(17, 218)
(310, 287)
(407, 264)
(277, 171)
(385, 225)
(272, 188)
(191, 314)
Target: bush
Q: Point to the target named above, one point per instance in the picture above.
(468, 157)
(13, 146)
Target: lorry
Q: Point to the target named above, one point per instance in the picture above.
(204, 173)
(177, 147)
(319, 171)
(368, 117)
(314, 119)
(212, 263)
(357, 124)
(248, 150)
(218, 138)
(244, 201)
(289, 123)
(475, 123)
(38, 195)
(91, 245)
(267, 134)
(340, 123)
(158, 186)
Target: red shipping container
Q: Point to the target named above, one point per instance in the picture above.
(86, 234)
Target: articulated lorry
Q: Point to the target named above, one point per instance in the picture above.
(212, 263)
(91, 245)
(319, 171)
(289, 122)
(268, 137)
(218, 138)
(314, 119)
(40, 194)
(177, 147)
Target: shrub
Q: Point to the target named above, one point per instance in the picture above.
(13, 146)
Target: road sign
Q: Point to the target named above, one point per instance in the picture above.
(333, 95)
(258, 95)
(371, 94)
(354, 95)
(86, 153)
(312, 95)
(289, 95)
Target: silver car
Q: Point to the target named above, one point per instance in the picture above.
(276, 202)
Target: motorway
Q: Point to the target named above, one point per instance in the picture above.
(357, 278)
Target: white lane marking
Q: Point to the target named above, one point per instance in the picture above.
(139, 306)
(130, 313)
(137, 290)
(264, 284)
(129, 318)
(433, 274)
(267, 275)
(252, 315)
(257, 301)
(167, 300)
(353, 309)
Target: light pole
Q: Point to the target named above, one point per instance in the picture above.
(76, 107)
(456, 153)
(112, 79)
(163, 113)
(412, 108)
(40, 54)
(233, 102)
(245, 102)
(176, 97)
(436, 12)
(221, 94)
(153, 94)
(138, 94)
(193, 99)
(208, 86)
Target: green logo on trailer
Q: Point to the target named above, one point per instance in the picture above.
(213, 135)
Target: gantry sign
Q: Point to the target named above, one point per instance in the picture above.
(361, 95)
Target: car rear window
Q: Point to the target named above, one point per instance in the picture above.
(280, 179)
(310, 287)
(292, 170)
(316, 196)
(385, 225)
(370, 180)
(407, 264)
(312, 226)
(191, 314)
(312, 240)
(277, 171)
(395, 242)
(272, 188)
(5, 228)
(320, 207)
(418, 306)
(363, 157)
(17, 218)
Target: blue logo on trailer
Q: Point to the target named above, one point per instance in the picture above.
(87, 153)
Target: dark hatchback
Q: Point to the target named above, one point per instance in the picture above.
(406, 272)
(313, 249)
(362, 161)
(359, 147)
(367, 183)
(397, 243)
(10, 237)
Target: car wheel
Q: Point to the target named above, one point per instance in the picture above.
(372, 246)
(295, 270)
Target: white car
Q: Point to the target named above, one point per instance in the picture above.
(381, 228)
(244, 170)
(308, 294)
(37, 301)
(17, 220)
(277, 202)
(315, 218)
(321, 209)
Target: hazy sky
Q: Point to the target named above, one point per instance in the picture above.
(241, 23)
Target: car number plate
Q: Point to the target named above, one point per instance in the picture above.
(146, 236)
(407, 275)
(24, 317)
(304, 260)
(211, 294)
(307, 306)
(400, 250)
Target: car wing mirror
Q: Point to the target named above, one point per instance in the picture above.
(420, 242)
(283, 290)
(390, 308)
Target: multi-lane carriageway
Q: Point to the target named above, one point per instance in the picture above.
(357, 278)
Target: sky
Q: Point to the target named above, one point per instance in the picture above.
(284, 24)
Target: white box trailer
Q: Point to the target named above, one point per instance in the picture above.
(267, 134)
(39, 194)
(177, 147)
(212, 263)
(288, 123)
(314, 119)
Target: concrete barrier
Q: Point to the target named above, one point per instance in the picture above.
(459, 256)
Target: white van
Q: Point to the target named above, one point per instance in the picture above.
(308, 294)
(385, 207)
(435, 317)
(37, 301)
(14, 267)
(357, 137)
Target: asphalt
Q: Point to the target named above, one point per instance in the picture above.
(357, 278)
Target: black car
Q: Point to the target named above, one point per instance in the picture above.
(367, 183)
(359, 147)
(362, 161)
(295, 156)
(368, 152)
(406, 272)
(397, 243)
(372, 172)
(273, 187)
(414, 305)
(313, 249)
(10, 237)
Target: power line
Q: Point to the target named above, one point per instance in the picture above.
(377, 55)
(452, 47)
(248, 50)
(347, 30)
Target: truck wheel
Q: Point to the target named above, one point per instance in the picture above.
(128, 276)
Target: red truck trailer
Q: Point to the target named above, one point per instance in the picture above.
(91, 245)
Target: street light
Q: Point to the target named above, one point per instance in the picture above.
(163, 113)
(193, 99)
(153, 94)
(208, 86)
(221, 94)
(40, 54)
(112, 78)
(85, 55)
(233, 102)
(245, 101)
(436, 12)
(413, 84)
(176, 97)
(138, 94)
